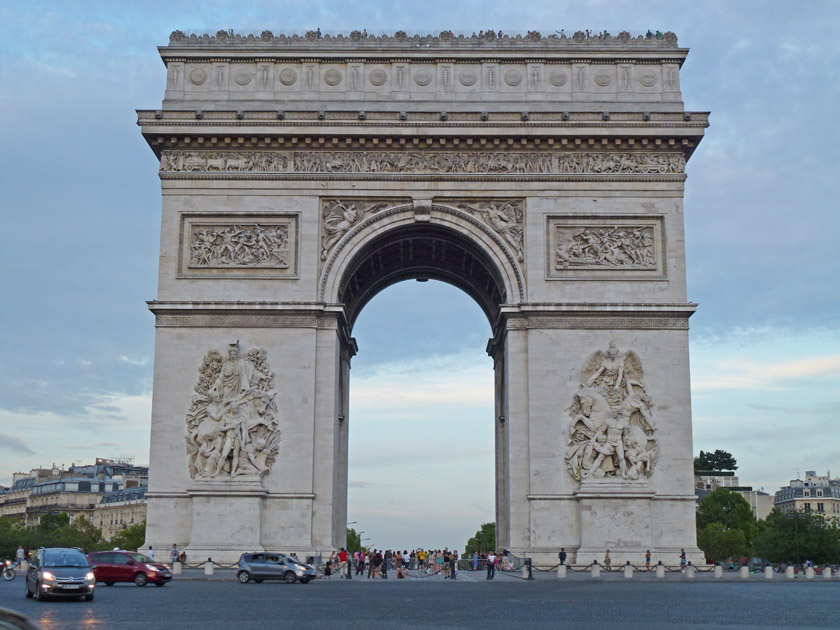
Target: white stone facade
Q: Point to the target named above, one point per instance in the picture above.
(563, 199)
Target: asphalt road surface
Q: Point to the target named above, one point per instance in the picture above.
(472, 602)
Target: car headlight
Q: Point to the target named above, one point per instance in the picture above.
(47, 576)
(151, 568)
(89, 576)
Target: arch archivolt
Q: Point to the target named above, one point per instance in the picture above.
(340, 258)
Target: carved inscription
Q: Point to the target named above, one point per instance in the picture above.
(505, 218)
(626, 247)
(612, 430)
(240, 246)
(232, 428)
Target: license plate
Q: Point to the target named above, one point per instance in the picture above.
(71, 586)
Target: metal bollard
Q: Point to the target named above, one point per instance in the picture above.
(745, 572)
(176, 568)
(790, 573)
(561, 571)
(596, 570)
(827, 572)
(690, 571)
(718, 572)
(768, 573)
(208, 567)
(809, 573)
(660, 571)
(628, 571)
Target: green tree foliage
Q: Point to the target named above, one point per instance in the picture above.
(719, 460)
(729, 509)
(131, 537)
(484, 539)
(719, 543)
(354, 540)
(53, 530)
(798, 536)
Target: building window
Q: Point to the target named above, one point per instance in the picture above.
(808, 508)
(807, 493)
(820, 508)
(819, 493)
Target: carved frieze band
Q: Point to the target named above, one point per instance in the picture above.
(240, 320)
(600, 247)
(426, 163)
(602, 322)
(238, 245)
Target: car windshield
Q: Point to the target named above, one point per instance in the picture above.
(54, 558)
(139, 557)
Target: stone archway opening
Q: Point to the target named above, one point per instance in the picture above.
(422, 252)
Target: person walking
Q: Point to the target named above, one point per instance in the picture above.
(342, 563)
(562, 555)
(607, 561)
(682, 560)
(647, 559)
(19, 555)
(453, 563)
(151, 553)
(173, 554)
(491, 565)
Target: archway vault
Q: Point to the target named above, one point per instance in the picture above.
(442, 243)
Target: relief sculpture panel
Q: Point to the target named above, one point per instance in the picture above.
(506, 218)
(612, 429)
(237, 245)
(605, 246)
(232, 429)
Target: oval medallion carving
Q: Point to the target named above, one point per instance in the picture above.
(242, 78)
(332, 77)
(467, 77)
(198, 76)
(648, 78)
(378, 77)
(422, 77)
(558, 78)
(513, 77)
(602, 78)
(287, 76)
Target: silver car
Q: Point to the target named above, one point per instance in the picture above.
(273, 566)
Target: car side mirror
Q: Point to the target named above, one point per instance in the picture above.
(131, 562)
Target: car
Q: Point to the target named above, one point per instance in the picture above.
(59, 572)
(127, 566)
(273, 566)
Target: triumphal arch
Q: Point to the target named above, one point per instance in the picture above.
(543, 175)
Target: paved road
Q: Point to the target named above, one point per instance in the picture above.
(507, 602)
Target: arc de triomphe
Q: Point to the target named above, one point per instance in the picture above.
(544, 176)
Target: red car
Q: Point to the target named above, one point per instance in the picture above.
(127, 566)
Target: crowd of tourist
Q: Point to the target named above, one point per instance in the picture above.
(376, 563)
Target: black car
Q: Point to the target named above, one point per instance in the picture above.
(59, 572)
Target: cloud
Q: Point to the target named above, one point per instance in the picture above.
(91, 445)
(12, 443)
(740, 374)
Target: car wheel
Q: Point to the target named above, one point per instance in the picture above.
(38, 594)
(26, 587)
(304, 580)
(244, 577)
(109, 583)
(289, 577)
(140, 579)
(89, 597)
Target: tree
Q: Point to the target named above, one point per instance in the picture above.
(729, 509)
(484, 539)
(354, 540)
(798, 536)
(131, 537)
(719, 542)
(719, 460)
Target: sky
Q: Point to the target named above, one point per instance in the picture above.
(80, 210)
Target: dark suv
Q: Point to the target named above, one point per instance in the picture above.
(127, 566)
(273, 566)
(59, 572)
